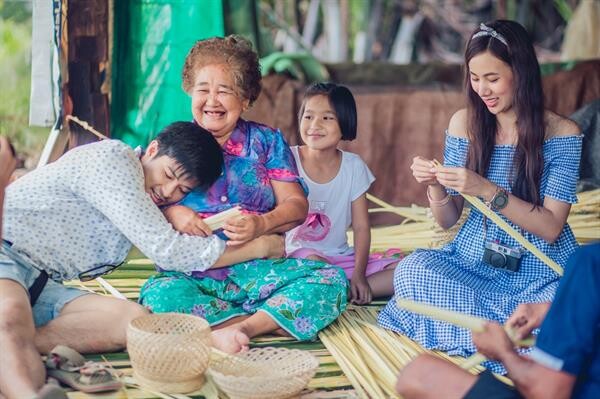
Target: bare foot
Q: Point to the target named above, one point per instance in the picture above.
(231, 339)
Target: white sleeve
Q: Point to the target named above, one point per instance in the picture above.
(362, 178)
(112, 181)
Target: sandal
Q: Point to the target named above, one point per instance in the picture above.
(50, 391)
(70, 368)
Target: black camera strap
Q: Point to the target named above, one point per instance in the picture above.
(485, 219)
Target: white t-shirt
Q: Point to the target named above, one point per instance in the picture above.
(330, 207)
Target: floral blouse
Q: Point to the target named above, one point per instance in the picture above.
(254, 155)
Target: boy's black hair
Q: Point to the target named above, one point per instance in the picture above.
(342, 102)
(195, 149)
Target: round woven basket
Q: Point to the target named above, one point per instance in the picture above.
(264, 373)
(169, 352)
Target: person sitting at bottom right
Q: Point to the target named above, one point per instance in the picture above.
(565, 361)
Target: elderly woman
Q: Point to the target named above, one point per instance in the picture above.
(291, 296)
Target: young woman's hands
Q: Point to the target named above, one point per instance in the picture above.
(360, 291)
(241, 229)
(465, 181)
(423, 171)
(186, 221)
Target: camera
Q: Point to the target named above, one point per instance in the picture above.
(502, 257)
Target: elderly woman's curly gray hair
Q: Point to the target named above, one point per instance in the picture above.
(234, 51)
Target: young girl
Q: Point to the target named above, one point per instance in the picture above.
(337, 182)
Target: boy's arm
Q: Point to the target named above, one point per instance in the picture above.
(267, 246)
(110, 178)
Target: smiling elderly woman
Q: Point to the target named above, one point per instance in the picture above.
(291, 296)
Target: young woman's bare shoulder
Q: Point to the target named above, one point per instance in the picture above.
(557, 125)
(458, 124)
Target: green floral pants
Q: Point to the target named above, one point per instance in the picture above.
(302, 296)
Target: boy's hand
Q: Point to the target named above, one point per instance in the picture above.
(360, 291)
(186, 221)
(8, 161)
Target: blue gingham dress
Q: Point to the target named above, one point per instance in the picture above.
(454, 277)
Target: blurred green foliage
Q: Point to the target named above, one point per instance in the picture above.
(15, 69)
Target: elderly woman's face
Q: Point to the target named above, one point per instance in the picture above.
(216, 104)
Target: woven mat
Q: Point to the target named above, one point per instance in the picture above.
(329, 381)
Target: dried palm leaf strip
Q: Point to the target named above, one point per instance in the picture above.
(409, 213)
(472, 323)
(217, 221)
(370, 356)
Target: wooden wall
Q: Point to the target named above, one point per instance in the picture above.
(87, 86)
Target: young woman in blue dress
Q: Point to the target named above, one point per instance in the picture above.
(523, 161)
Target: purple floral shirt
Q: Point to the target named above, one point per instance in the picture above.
(254, 155)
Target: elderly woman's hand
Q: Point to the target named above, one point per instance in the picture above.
(186, 221)
(241, 229)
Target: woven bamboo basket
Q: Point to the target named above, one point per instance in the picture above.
(264, 373)
(169, 352)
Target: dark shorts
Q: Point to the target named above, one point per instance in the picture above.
(489, 387)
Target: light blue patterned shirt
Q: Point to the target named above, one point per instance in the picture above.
(88, 208)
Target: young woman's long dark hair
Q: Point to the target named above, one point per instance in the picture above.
(528, 104)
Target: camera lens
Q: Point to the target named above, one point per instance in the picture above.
(498, 260)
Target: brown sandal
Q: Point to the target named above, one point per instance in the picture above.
(70, 368)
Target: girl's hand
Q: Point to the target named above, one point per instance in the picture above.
(360, 291)
(241, 229)
(8, 161)
(423, 171)
(465, 181)
(186, 221)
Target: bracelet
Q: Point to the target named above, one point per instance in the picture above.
(437, 203)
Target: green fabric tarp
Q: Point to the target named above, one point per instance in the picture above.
(151, 40)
